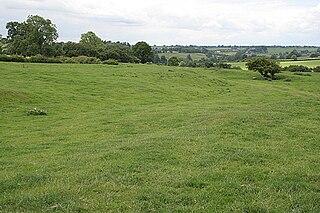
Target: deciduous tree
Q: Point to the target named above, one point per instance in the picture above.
(91, 40)
(173, 61)
(143, 51)
(30, 37)
(266, 67)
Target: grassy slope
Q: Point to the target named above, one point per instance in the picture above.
(138, 138)
(308, 63)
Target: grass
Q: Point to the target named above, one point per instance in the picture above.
(241, 64)
(147, 138)
(308, 63)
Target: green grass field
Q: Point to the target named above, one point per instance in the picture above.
(308, 63)
(147, 138)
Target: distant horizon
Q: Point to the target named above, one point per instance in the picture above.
(180, 22)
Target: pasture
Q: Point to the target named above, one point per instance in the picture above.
(147, 138)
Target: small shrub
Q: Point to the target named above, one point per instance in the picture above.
(297, 68)
(111, 62)
(36, 111)
(223, 65)
(38, 59)
(54, 60)
(18, 58)
(303, 74)
(86, 60)
(12, 58)
(4, 57)
(316, 69)
(67, 60)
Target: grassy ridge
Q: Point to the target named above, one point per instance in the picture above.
(139, 138)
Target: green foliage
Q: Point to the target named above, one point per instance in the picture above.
(316, 69)
(86, 60)
(189, 58)
(91, 40)
(143, 51)
(3, 45)
(118, 51)
(297, 68)
(163, 60)
(111, 62)
(156, 59)
(37, 59)
(53, 50)
(31, 36)
(73, 49)
(12, 58)
(314, 55)
(266, 67)
(173, 61)
(224, 65)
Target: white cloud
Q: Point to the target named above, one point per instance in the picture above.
(179, 21)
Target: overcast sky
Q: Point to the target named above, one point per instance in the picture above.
(198, 22)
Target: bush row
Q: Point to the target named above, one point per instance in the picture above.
(301, 68)
(68, 60)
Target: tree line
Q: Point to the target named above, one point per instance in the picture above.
(35, 40)
(38, 36)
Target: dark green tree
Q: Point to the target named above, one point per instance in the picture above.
(91, 40)
(156, 59)
(3, 44)
(54, 50)
(189, 58)
(293, 54)
(266, 67)
(143, 51)
(163, 60)
(173, 61)
(31, 36)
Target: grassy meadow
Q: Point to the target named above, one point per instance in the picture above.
(147, 138)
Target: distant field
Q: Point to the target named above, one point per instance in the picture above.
(308, 63)
(277, 50)
(239, 64)
(148, 138)
(195, 56)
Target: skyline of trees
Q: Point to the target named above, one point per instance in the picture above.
(38, 36)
